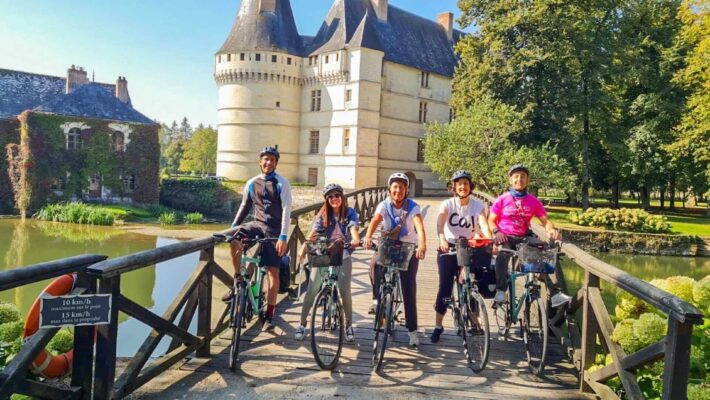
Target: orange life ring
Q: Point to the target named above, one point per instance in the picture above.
(47, 365)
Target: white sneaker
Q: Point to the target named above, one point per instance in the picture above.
(560, 299)
(373, 308)
(413, 339)
(300, 332)
(350, 334)
(500, 296)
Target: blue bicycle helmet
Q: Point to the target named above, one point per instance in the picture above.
(518, 168)
(332, 187)
(270, 150)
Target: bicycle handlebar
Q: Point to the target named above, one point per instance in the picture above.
(245, 240)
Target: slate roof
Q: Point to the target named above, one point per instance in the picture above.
(93, 100)
(267, 31)
(405, 38)
(20, 91)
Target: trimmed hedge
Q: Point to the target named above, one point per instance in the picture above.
(205, 196)
(623, 219)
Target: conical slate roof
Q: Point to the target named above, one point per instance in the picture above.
(269, 31)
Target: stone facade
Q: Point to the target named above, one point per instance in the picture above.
(346, 106)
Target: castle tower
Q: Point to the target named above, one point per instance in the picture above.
(257, 71)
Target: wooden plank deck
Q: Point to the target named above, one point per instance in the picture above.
(275, 365)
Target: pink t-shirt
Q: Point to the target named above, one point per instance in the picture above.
(514, 215)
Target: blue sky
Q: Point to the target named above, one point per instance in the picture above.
(163, 47)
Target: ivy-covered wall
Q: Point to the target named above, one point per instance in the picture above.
(49, 159)
(9, 133)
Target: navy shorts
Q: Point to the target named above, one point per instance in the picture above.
(269, 255)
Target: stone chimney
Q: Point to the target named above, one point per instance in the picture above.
(447, 21)
(76, 76)
(380, 7)
(267, 6)
(122, 89)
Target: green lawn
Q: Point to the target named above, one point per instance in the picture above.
(130, 213)
(685, 223)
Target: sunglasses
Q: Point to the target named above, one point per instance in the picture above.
(334, 196)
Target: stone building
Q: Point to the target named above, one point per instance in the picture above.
(52, 127)
(347, 105)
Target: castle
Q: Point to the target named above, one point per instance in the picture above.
(347, 105)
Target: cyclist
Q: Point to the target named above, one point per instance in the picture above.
(269, 194)
(509, 220)
(402, 218)
(337, 222)
(459, 216)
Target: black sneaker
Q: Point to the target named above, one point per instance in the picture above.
(268, 326)
(436, 335)
(228, 296)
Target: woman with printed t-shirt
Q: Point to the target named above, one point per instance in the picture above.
(460, 216)
(403, 217)
(337, 222)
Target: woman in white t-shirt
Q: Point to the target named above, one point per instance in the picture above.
(459, 216)
(389, 213)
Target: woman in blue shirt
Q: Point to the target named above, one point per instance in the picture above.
(336, 221)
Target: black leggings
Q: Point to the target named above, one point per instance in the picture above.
(408, 284)
(448, 272)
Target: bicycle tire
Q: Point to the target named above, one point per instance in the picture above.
(535, 334)
(261, 299)
(237, 324)
(475, 331)
(325, 352)
(382, 314)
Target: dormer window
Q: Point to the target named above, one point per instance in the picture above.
(74, 139)
(118, 141)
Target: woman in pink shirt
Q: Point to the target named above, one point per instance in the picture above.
(509, 220)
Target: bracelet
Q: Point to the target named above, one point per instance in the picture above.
(495, 231)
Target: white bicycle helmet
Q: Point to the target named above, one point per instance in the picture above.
(398, 176)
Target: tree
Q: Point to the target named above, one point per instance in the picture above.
(172, 154)
(200, 153)
(185, 131)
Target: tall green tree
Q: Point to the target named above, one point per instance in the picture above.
(172, 154)
(200, 153)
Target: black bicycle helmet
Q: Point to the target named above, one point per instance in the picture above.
(270, 150)
(518, 168)
(332, 187)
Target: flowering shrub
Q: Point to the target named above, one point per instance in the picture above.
(623, 219)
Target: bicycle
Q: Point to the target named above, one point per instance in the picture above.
(393, 256)
(249, 288)
(327, 315)
(530, 259)
(468, 307)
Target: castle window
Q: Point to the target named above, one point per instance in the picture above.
(420, 150)
(274, 58)
(278, 104)
(312, 176)
(422, 111)
(229, 57)
(326, 59)
(58, 184)
(118, 141)
(425, 79)
(129, 183)
(315, 141)
(241, 56)
(337, 56)
(348, 95)
(74, 139)
(257, 57)
(315, 100)
(346, 140)
(288, 60)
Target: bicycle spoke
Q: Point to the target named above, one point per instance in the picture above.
(327, 330)
(476, 331)
(535, 334)
(379, 345)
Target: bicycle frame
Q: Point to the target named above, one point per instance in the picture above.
(255, 284)
(517, 303)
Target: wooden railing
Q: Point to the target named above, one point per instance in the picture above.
(94, 373)
(596, 323)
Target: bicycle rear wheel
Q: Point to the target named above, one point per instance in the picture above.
(237, 323)
(501, 311)
(475, 330)
(535, 334)
(326, 329)
(383, 321)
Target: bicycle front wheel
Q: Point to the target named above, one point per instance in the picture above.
(383, 321)
(475, 330)
(326, 329)
(240, 300)
(535, 334)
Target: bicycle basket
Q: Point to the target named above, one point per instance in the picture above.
(537, 259)
(320, 255)
(475, 258)
(395, 253)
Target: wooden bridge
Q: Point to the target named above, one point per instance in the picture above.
(277, 365)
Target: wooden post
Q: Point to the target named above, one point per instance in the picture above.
(590, 326)
(677, 360)
(204, 308)
(82, 366)
(105, 370)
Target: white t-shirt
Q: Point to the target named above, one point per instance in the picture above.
(460, 220)
(411, 236)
